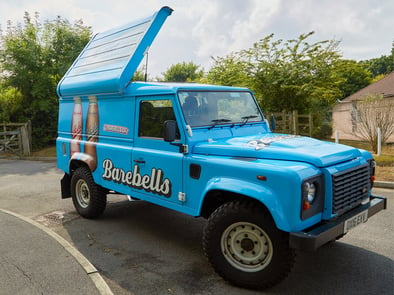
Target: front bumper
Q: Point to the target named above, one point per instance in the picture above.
(311, 239)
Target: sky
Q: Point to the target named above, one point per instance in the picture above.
(198, 30)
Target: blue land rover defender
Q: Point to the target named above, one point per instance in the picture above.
(205, 151)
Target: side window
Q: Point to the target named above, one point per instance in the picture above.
(153, 114)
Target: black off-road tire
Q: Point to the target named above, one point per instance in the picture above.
(244, 246)
(89, 198)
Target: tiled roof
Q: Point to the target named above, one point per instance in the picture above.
(384, 86)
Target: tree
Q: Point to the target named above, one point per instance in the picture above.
(33, 58)
(374, 112)
(10, 99)
(287, 75)
(183, 72)
(382, 65)
(294, 75)
(230, 71)
(139, 75)
(352, 76)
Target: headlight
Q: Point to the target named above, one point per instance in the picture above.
(312, 196)
(310, 190)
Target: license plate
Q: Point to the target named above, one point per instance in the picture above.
(355, 220)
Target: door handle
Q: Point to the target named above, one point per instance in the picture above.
(139, 161)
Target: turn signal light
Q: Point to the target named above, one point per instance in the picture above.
(306, 205)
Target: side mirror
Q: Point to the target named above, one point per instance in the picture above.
(169, 130)
(272, 123)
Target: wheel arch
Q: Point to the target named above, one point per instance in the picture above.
(222, 191)
(75, 164)
(79, 160)
(217, 197)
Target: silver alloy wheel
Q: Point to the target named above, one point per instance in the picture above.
(82, 193)
(246, 247)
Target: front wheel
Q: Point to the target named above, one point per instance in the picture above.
(89, 198)
(244, 246)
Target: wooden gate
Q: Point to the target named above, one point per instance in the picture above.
(15, 138)
(292, 123)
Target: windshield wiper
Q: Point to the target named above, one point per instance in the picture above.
(217, 121)
(246, 119)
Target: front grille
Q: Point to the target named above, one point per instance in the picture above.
(350, 187)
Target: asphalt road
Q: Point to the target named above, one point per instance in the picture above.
(140, 248)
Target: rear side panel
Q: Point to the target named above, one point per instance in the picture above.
(106, 129)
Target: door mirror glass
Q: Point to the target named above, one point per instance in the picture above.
(170, 128)
(273, 122)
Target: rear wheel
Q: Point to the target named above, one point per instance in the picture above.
(89, 198)
(244, 246)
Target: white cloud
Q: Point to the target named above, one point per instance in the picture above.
(199, 29)
(232, 25)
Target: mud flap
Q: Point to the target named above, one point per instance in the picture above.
(65, 184)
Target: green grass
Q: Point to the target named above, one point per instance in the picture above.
(45, 152)
(384, 160)
(386, 157)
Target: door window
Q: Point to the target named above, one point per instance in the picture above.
(153, 114)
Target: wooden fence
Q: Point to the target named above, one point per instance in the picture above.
(15, 138)
(293, 123)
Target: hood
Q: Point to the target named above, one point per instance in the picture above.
(280, 147)
(110, 59)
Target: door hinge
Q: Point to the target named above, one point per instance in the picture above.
(184, 148)
(182, 197)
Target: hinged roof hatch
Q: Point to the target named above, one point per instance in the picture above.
(110, 59)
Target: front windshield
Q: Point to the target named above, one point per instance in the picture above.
(211, 108)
